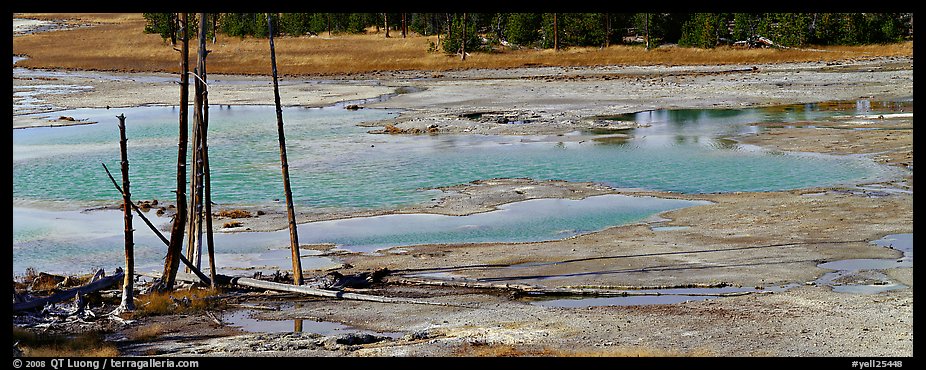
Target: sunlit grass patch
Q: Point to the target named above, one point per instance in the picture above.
(177, 302)
(89, 344)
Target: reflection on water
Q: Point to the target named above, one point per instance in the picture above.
(242, 319)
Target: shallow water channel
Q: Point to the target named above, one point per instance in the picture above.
(336, 164)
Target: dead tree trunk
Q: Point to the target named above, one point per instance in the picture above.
(204, 147)
(449, 27)
(555, 33)
(463, 39)
(646, 28)
(607, 30)
(215, 32)
(261, 284)
(436, 25)
(128, 289)
(197, 183)
(194, 228)
(172, 28)
(404, 26)
(386, 24)
(290, 211)
(158, 232)
(175, 248)
(100, 284)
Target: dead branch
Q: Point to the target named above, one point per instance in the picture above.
(183, 259)
(99, 284)
(602, 291)
(254, 283)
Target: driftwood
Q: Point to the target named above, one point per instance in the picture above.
(603, 291)
(261, 284)
(94, 286)
(289, 288)
(254, 306)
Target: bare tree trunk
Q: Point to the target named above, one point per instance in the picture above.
(607, 28)
(175, 248)
(555, 33)
(128, 289)
(290, 211)
(646, 28)
(194, 228)
(449, 28)
(463, 39)
(498, 27)
(329, 24)
(386, 24)
(204, 147)
(215, 32)
(404, 26)
(172, 28)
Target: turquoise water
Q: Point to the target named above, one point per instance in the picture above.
(336, 164)
(94, 239)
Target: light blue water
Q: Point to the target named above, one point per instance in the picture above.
(336, 164)
(62, 241)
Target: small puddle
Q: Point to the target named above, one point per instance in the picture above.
(655, 296)
(242, 319)
(860, 276)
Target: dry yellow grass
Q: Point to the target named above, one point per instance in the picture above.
(176, 302)
(117, 43)
(47, 345)
(148, 332)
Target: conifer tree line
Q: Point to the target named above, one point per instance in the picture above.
(485, 31)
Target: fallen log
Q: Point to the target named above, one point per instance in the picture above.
(94, 286)
(289, 288)
(602, 291)
(254, 283)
